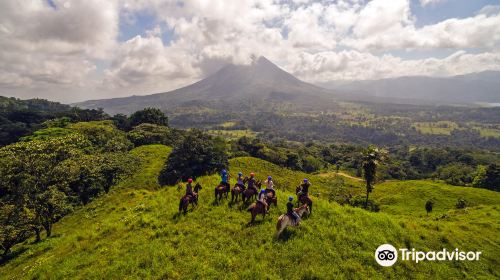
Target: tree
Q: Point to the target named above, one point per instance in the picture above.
(428, 206)
(15, 225)
(461, 203)
(488, 177)
(103, 134)
(149, 115)
(121, 121)
(372, 157)
(198, 154)
(146, 133)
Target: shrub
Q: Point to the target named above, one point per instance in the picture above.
(461, 203)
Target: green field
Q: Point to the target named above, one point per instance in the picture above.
(134, 232)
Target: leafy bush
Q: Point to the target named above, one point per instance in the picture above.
(461, 203)
(198, 154)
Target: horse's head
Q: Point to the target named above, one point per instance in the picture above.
(258, 184)
(197, 187)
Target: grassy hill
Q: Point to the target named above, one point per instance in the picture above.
(134, 232)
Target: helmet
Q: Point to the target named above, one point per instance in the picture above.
(269, 178)
(224, 171)
(190, 180)
(262, 191)
(305, 180)
(252, 174)
(290, 198)
(240, 174)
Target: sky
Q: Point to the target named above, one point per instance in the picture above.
(71, 51)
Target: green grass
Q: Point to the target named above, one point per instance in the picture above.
(134, 232)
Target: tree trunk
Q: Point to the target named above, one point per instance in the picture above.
(37, 232)
(48, 228)
(366, 201)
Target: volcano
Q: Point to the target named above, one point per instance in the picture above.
(259, 81)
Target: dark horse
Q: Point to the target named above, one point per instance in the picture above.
(271, 198)
(255, 209)
(187, 199)
(251, 192)
(237, 190)
(303, 198)
(220, 190)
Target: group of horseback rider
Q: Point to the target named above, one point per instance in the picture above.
(302, 191)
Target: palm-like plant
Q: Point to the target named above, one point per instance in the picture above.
(372, 157)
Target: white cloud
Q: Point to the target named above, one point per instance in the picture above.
(74, 48)
(430, 2)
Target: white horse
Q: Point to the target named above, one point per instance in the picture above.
(284, 220)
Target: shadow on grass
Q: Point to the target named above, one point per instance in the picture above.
(285, 235)
(5, 259)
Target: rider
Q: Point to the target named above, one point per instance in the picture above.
(262, 198)
(189, 188)
(270, 185)
(240, 181)
(225, 178)
(289, 211)
(304, 188)
(251, 182)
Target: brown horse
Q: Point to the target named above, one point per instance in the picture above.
(251, 192)
(187, 199)
(237, 190)
(221, 190)
(303, 198)
(285, 220)
(271, 199)
(255, 209)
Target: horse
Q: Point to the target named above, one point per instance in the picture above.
(187, 199)
(255, 209)
(237, 190)
(303, 199)
(251, 192)
(271, 199)
(285, 220)
(220, 190)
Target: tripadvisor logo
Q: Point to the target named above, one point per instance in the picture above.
(387, 255)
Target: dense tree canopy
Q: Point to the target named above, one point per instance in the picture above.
(198, 154)
(149, 115)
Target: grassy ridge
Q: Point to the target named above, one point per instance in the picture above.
(135, 233)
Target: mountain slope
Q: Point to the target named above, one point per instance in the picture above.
(135, 233)
(471, 88)
(261, 80)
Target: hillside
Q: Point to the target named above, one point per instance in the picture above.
(134, 232)
(233, 84)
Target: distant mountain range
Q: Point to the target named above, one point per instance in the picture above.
(483, 87)
(259, 82)
(262, 84)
